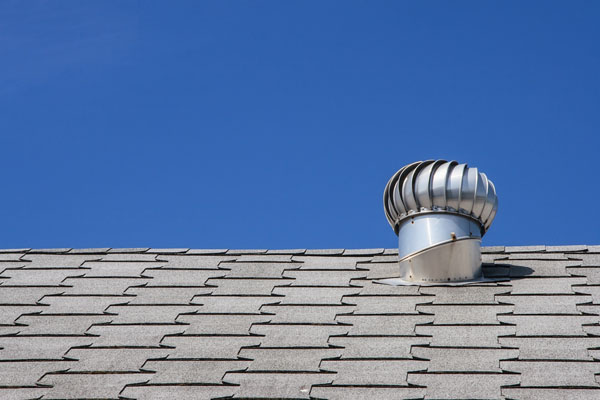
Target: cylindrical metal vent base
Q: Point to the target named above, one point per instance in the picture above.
(458, 260)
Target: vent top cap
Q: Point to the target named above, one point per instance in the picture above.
(440, 186)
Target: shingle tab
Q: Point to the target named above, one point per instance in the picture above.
(192, 371)
(463, 385)
(148, 335)
(165, 295)
(314, 295)
(551, 394)
(59, 324)
(316, 262)
(305, 314)
(179, 392)
(66, 304)
(541, 304)
(366, 392)
(257, 270)
(554, 373)
(465, 335)
(548, 325)
(372, 372)
(386, 304)
(445, 359)
(545, 285)
(472, 294)
(297, 335)
(220, 324)
(458, 314)
(86, 385)
(377, 346)
(307, 277)
(27, 373)
(39, 347)
(288, 359)
(190, 346)
(277, 385)
(256, 287)
(112, 359)
(552, 348)
(100, 285)
(149, 314)
(194, 262)
(182, 277)
(233, 304)
(383, 324)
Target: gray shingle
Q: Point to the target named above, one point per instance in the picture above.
(314, 295)
(181, 277)
(316, 262)
(133, 335)
(130, 257)
(286, 251)
(207, 251)
(472, 294)
(257, 270)
(492, 249)
(100, 285)
(308, 314)
(545, 285)
(167, 251)
(192, 371)
(537, 256)
(551, 394)
(536, 268)
(366, 392)
(383, 324)
(590, 259)
(372, 372)
(381, 270)
(40, 277)
(462, 385)
(58, 261)
(59, 324)
(86, 385)
(324, 252)
(444, 359)
(540, 304)
(246, 251)
(27, 373)
(233, 304)
(257, 287)
(363, 252)
(591, 273)
(39, 347)
(554, 373)
(115, 269)
(552, 348)
(129, 250)
(179, 392)
(165, 295)
(277, 385)
(265, 258)
(465, 335)
(20, 393)
(194, 262)
(323, 277)
(112, 359)
(26, 294)
(187, 346)
(149, 314)
(594, 291)
(548, 325)
(524, 249)
(97, 250)
(269, 359)
(377, 346)
(50, 251)
(566, 249)
(369, 287)
(8, 314)
(386, 304)
(297, 335)
(220, 324)
(458, 314)
(66, 304)
(387, 258)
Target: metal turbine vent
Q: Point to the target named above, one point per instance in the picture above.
(440, 210)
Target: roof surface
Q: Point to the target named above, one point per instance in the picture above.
(180, 323)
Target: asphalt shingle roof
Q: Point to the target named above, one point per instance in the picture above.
(194, 324)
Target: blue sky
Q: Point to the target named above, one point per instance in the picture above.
(237, 124)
